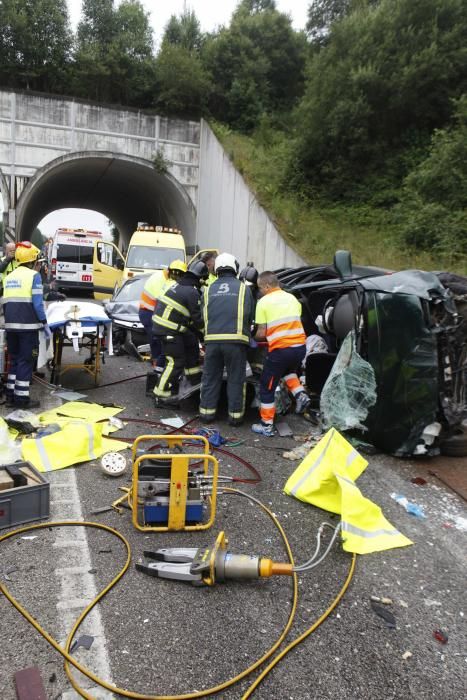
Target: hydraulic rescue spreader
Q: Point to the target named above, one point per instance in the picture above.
(206, 566)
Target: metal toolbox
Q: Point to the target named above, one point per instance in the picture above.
(27, 503)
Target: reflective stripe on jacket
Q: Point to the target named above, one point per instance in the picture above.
(76, 442)
(23, 300)
(152, 289)
(178, 308)
(227, 311)
(281, 312)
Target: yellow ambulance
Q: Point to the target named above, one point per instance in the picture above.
(151, 248)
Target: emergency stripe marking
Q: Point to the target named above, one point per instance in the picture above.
(76, 586)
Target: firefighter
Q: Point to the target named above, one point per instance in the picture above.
(147, 303)
(178, 322)
(23, 305)
(228, 314)
(278, 317)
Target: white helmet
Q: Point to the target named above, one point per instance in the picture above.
(226, 261)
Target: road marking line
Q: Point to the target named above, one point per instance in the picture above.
(77, 588)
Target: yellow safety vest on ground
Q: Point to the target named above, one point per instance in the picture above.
(326, 478)
(281, 312)
(77, 441)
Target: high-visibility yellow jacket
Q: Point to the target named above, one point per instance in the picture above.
(281, 312)
(23, 300)
(152, 289)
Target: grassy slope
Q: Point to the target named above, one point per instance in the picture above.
(316, 233)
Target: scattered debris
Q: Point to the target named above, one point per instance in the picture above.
(410, 506)
(301, 451)
(68, 395)
(175, 422)
(387, 616)
(283, 429)
(384, 601)
(429, 603)
(29, 684)
(440, 636)
(407, 655)
(84, 641)
(104, 509)
(105, 550)
(53, 678)
(29, 537)
(418, 481)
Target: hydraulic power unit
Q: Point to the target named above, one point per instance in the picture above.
(173, 488)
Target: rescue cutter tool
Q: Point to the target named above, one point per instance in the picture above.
(208, 565)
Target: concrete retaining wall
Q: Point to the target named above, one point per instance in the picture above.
(229, 215)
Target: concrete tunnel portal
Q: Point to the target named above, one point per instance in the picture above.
(123, 188)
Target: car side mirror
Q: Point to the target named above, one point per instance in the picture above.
(119, 264)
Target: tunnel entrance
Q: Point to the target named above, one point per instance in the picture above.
(123, 188)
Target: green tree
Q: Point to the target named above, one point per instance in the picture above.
(257, 64)
(131, 55)
(96, 31)
(114, 56)
(184, 30)
(374, 94)
(35, 44)
(182, 84)
(433, 210)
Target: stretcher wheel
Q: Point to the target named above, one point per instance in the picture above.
(113, 464)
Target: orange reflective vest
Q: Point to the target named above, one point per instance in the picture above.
(281, 312)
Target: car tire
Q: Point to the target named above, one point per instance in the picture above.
(456, 444)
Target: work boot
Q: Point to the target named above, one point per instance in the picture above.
(301, 402)
(235, 422)
(266, 429)
(166, 402)
(10, 401)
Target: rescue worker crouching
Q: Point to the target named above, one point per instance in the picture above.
(178, 323)
(228, 312)
(278, 317)
(23, 305)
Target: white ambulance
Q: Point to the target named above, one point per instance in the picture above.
(70, 258)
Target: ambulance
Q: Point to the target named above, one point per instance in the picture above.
(70, 258)
(151, 248)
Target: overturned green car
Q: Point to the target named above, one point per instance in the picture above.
(408, 328)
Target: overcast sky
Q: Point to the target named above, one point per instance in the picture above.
(211, 14)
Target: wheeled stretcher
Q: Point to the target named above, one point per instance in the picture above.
(82, 326)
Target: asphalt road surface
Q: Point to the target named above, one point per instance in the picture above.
(160, 637)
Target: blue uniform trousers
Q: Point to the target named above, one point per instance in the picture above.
(23, 348)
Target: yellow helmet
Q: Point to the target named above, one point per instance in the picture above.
(26, 252)
(178, 265)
